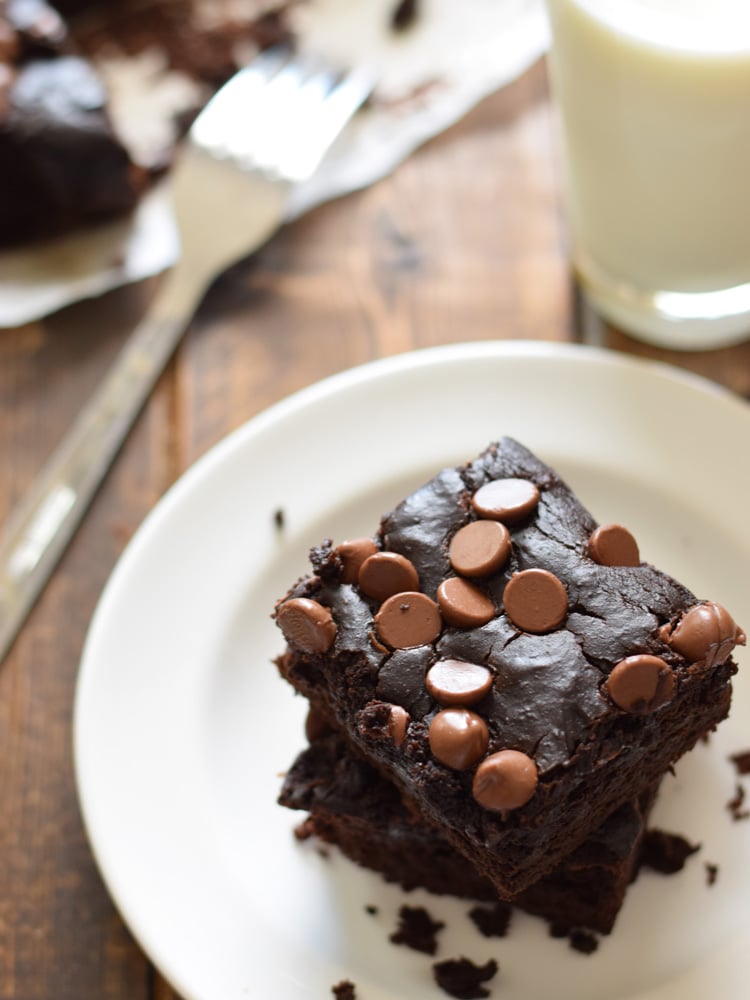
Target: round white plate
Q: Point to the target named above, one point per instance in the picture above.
(182, 724)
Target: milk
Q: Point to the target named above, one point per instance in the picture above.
(655, 108)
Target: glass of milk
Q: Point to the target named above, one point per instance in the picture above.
(654, 98)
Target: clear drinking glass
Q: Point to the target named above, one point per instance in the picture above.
(654, 100)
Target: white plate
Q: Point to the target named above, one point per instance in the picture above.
(182, 725)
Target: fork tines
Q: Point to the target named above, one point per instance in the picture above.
(280, 113)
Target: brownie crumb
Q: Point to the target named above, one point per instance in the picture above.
(741, 761)
(712, 873)
(372, 910)
(344, 990)
(583, 941)
(735, 804)
(326, 562)
(461, 978)
(404, 15)
(417, 930)
(578, 939)
(666, 852)
(492, 921)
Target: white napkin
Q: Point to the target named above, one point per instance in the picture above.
(430, 75)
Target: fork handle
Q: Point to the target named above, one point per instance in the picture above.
(40, 529)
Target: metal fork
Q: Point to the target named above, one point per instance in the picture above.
(264, 131)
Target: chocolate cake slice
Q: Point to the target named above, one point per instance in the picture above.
(96, 95)
(61, 164)
(68, 157)
(514, 669)
(351, 805)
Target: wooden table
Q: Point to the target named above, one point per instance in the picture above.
(466, 241)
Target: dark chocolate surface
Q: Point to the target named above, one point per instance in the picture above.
(547, 692)
(548, 699)
(60, 162)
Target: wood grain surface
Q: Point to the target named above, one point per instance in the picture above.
(465, 241)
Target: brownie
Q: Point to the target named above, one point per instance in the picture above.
(62, 165)
(511, 666)
(353, 806)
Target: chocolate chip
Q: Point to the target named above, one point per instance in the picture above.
(408, 619)
(463, 604)
(706, 634)
(353, 553)
(376, 643)
(379, 721)
(505, 780)
(480, 548)
(458, 738)
(397, 724)
(307, 625)
(613, 545)
(455, 682)
(641, 684)
(304, 830)
(506, 500)
(535, 601)
(386, 573)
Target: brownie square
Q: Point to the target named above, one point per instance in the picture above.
(63, 164)
(514, 669)
(351, 805)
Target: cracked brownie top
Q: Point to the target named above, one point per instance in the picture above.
(492, 635)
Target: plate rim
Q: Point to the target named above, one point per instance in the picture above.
(259, 424)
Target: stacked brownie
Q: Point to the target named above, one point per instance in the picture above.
(353, 806)
(502, 683)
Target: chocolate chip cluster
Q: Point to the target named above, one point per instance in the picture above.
(534, 601)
